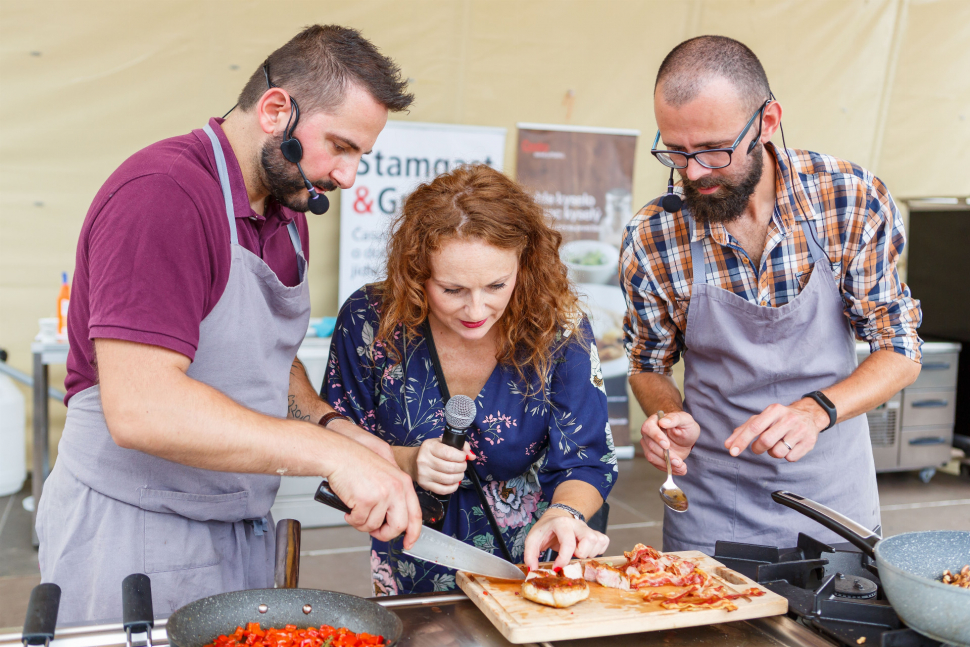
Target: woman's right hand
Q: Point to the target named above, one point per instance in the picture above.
(438, 467)
(676, 431)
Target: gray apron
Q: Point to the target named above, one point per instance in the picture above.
(108, 512)
(740, 358)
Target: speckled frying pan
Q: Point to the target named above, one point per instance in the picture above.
(199, 623)
(910, 567)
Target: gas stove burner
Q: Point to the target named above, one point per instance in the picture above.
(854, 587)
(831, 589)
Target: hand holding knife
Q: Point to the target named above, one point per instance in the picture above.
(434, 546)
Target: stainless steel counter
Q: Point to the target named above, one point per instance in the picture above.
(452, 620)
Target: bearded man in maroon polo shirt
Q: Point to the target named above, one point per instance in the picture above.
(185, 398)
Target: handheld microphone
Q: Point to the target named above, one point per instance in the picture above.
(671, 202)
(459, 416)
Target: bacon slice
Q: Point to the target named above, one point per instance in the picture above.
(646, 569)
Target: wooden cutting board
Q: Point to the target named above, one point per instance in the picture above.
(609, 612)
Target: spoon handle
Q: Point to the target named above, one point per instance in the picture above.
(660, 415)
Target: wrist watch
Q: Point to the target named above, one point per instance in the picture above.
(575, 513)
(330, 417)
(826, 404)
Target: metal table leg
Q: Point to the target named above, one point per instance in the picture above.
(41, 452)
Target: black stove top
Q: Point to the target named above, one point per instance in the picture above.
(834, 590)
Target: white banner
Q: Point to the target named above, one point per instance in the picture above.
(405, 155)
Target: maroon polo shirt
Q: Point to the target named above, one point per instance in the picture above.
(153, 256)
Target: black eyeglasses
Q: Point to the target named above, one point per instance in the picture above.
(711, 158)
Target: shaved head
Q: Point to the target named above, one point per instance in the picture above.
(690, 65)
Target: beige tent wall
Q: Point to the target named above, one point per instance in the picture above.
(84, 83)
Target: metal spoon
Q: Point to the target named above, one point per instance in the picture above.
(672, 496)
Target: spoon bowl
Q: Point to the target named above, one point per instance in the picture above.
(672, 496)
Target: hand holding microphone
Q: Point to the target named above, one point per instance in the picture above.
(439, 465)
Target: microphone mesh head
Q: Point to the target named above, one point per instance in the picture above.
(460, 412)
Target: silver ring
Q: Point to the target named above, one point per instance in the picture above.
(786, 444)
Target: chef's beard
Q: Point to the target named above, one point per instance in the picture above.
(283, 180)
(727, 204)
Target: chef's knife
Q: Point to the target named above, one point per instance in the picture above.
(433, 546)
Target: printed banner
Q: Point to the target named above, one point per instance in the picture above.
(405, 155)
(583, 177)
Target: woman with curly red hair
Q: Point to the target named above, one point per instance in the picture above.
(473, 272)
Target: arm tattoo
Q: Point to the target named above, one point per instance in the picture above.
(297, 365)
(294, 411)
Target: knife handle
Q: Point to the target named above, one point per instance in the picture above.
(328, 497)
(431, 509)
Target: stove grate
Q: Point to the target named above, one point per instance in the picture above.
(812, 577)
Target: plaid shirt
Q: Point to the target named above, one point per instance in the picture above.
(857, 225)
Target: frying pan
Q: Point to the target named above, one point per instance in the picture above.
(199, 623)
(910, 567)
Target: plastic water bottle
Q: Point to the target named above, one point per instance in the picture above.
(63, 301)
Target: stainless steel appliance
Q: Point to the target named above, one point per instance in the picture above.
(914, 429)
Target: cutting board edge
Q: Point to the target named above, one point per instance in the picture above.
(519, 634)
(496, 613)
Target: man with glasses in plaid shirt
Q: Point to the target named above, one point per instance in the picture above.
(777, 260)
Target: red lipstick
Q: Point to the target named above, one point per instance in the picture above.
(472, 324)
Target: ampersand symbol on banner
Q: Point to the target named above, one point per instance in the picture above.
(361, 204)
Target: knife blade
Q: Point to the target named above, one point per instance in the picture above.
(433, 546)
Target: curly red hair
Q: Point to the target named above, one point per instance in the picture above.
(478, 202)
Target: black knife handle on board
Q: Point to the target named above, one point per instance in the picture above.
(41, 617)
(431, 509)
(838, 523)
(136, 602)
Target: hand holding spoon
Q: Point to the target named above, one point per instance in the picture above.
(672, 496)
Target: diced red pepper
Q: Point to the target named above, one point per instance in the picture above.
(326, 636)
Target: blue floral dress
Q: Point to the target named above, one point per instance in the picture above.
(525, 447)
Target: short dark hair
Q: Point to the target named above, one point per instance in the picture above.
(692, 63)
(318, 65)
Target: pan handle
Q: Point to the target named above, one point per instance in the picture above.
(856, 533)
(41, 617)
(286, 575)
(137, 609)
(431, 509)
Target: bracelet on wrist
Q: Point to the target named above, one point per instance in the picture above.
(330, 417)
(576, 514)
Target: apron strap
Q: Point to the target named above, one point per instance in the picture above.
(224, 182)
(698, 265)
(815, 251)
(295, 237)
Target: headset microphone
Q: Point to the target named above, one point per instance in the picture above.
(317, 202)
(671, 202)
(292, 151)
